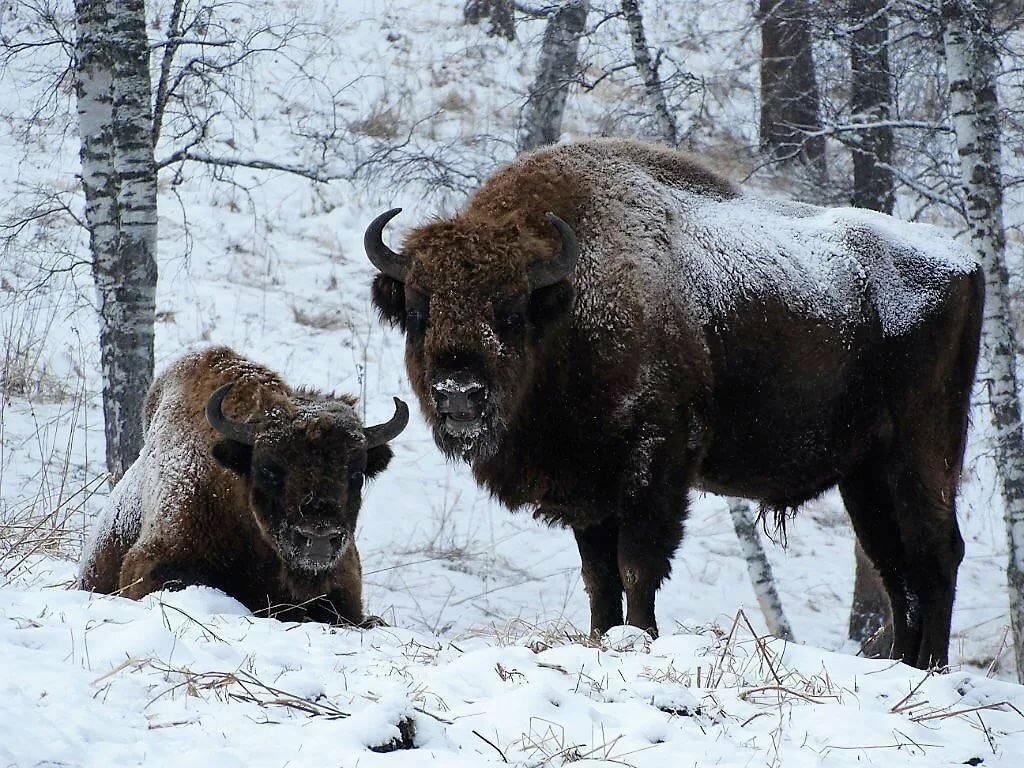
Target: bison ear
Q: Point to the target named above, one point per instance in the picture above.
(550, 304)
(377, 460)
(389, 299)
(233, 455)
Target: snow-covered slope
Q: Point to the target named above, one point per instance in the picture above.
(189, 679)
(483, 655)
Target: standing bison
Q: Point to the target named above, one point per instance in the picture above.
(606, 325)
(243, 484)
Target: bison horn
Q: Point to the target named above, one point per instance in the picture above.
(546, 272)
(394, 265)
(389, 430)
(233, 430)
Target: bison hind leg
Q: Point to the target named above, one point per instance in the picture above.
(909, 531)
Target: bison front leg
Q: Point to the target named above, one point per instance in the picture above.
(598, 545)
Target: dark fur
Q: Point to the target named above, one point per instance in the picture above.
(604, 426)
(225, 522)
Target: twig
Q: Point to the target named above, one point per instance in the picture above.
(898, 706)
(998, 707)
(783, 689)
(491, 743)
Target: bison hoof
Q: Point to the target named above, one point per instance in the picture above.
(372, 622)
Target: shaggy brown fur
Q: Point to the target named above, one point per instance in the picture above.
(705, 339)
(199, 508)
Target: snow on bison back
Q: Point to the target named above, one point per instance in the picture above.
(608, 324)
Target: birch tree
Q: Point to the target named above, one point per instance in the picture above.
(971, 65)
(665, 124)
(744, 521)
(556, 70)
(119, 180)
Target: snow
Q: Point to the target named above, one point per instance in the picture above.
(822, 262)
(484, 653)
(188, 677)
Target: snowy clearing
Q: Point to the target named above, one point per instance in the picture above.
(189, 679)
(484, 657)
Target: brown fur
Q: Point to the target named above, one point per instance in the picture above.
(181, 516)
(690, 349)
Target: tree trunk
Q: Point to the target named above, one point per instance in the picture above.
(970, 66)
(556, 68)
(870, 614)
(119, 180)
(501, 14)
(760, 570)
(789, 86)
(664, 123)
(871, 102)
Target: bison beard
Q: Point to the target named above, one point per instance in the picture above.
(612, 325)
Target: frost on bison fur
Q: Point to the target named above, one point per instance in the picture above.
(608, 324)
(243, 484)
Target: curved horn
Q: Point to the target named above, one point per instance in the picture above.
(394, 265)
(389, 430)
(546, 272)
(233, 430)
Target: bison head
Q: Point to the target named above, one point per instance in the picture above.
(304, 462)
(475, 299)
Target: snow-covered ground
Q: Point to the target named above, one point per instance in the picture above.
(483, 656)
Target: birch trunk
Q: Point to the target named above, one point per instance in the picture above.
(971, 65)
(119, 180)
(556, 68)
(664, 123)
(760, 570)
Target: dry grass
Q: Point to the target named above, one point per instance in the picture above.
(26, 532)
(321, 320)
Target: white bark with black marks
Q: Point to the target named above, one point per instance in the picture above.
(745, 522)
(119, 180)
(971, 65)
(664, 123)
(556, 71)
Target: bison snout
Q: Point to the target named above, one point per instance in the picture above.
(459, 400)
(318, 545)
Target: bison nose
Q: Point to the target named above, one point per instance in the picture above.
(459, 400)
(319, 544)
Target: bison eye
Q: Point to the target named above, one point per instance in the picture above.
(510, 315)
(513, 321)
(271, 475)
(355, 480)
(415, 321)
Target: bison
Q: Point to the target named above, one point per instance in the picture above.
(244, 484)
(607, 324)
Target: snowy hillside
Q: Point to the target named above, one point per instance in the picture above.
(483, 662)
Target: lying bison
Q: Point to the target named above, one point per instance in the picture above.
(260, 501)
(606, 325)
